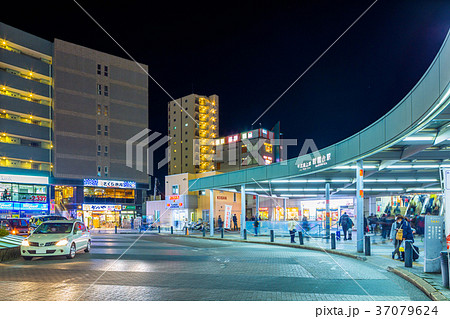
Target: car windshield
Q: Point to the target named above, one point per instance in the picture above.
(54, 228)
(18, 222)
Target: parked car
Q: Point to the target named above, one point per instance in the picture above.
(35, 221)
(15, 226)
(57, 238)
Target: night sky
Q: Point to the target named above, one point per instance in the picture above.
(249, 52)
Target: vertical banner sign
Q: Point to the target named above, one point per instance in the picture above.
(446, 174)
(227, 219)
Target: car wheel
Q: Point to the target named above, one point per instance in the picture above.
(73, 251)
(88, 247)
(27, 257)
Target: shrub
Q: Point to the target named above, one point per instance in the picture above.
(3, 232)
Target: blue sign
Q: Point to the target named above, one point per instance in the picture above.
(23, 206)
(6, 205)
(108, 183)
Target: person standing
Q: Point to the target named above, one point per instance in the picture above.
(346, 223)
(256, 225)
(220, 222)
(291, 227)
(235, 223)
(400, 230)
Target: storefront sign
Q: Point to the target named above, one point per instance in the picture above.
(221, 197)
(23, 179)
(106, 183)
(22, 206)
(33, 198)
(95, 207)
(128, 207)
(227, 219)
(6, 205)
(33, 206)
(174, 202)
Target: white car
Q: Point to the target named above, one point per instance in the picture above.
(57, 238)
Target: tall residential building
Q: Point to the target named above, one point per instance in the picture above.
(244, 150)
(66, 114)
(26, 101)
(193, 126)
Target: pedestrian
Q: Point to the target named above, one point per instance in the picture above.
(305, 227)
(383, 226)
(220, 222)
(256, 225)
(346, 223)
(235, 223)
(291, 227)
(400, 230)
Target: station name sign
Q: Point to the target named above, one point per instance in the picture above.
(108, 183)
(315, 162)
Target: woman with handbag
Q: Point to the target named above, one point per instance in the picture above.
(396, 235)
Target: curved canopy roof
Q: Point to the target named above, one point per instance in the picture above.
(405, 148)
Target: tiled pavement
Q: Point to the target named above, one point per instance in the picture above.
(176, 268)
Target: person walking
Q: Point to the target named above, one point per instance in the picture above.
(305, 227)
(346, 223)
(256, 225)
(291, 227)
(235, 223)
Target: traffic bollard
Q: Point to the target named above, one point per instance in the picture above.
(204, 232)
(300, 238)
(115, 229)
(245, 234)
(333, 241)
(171, 229)
(159, 229)
(367, 246)
(408, 253)
(272, 236)
(185, 231)
(444, 269)
(221, 233)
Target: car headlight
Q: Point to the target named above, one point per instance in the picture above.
(62, 242)
(25, 242)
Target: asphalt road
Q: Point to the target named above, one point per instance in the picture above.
(160, 267)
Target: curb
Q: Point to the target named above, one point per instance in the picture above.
(420, 283)
(326, 250)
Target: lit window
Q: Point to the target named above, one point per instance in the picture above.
(244, 135)
(268, 147)
(105, 110)
(175, 189)
(99, 171)
(99, 89)
(250, 134)
(186, 124)
(99, 109)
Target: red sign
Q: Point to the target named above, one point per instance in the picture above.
(174, 197)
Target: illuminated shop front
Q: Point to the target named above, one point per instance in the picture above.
(181, 209)
(314, 210)
(108, 203)
(23, 196)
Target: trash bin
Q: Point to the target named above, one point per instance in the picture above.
(444, 268)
